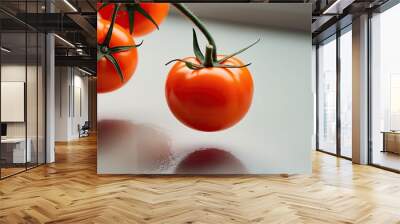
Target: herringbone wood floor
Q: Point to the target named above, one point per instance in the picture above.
(69, 191)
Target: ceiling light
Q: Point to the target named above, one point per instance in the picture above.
(70, 5)
(65, 41)
(80, 51)
(337, 7)
(84, 71)
(5, 50)
(332, 8)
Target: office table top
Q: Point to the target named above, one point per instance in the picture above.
(12, 140)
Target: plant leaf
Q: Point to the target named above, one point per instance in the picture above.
(131, 14)
(99, 54)
(110, 29)
(140, 10)
(197, 52)
(104, 4)
(124, 48)
(113, 61)
(237, 52)
(192, 66)
(189, 64)
(231, 66)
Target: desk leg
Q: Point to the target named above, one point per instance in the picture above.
(384, 142)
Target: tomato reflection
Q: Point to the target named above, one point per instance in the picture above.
(134, 146)
(210, 161)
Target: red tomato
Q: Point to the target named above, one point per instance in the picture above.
(108, 78)
(142, 25)
(209, 99)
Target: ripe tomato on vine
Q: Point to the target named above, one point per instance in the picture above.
(208, 92)
(116, 55)
(138, 19)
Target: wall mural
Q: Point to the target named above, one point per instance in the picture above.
(164, 108)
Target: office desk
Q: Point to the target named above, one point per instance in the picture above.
(13, 150)
(391, 142)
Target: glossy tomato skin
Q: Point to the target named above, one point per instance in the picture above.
(142, 26)
(107, 76)
(209, 99)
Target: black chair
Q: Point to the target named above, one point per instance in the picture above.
(84, 130)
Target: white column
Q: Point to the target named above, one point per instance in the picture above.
(360, 90)
(50, 98)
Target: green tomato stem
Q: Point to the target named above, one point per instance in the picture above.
(110, 29)
(208, 59)
(197, 22)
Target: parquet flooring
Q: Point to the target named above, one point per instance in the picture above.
(10, 171)
(70, 191)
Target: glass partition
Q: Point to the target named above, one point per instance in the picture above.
(31, 100)
(334, 101)
(14, 151)
(41, 97)
(22, 89)
(346, 93)
(327, 96)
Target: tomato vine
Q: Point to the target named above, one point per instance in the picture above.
(209, 59)
(131, 9)
(206, 60)
(104, 49)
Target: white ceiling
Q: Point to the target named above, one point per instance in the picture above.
(279, 15)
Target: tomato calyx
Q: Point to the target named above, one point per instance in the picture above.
(209, 59)
(104, 49)
(131, 9)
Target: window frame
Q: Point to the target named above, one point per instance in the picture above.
(334, 37)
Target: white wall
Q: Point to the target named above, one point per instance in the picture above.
(80, 84)
(61, 103)
(274, 137)
(69, 81)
